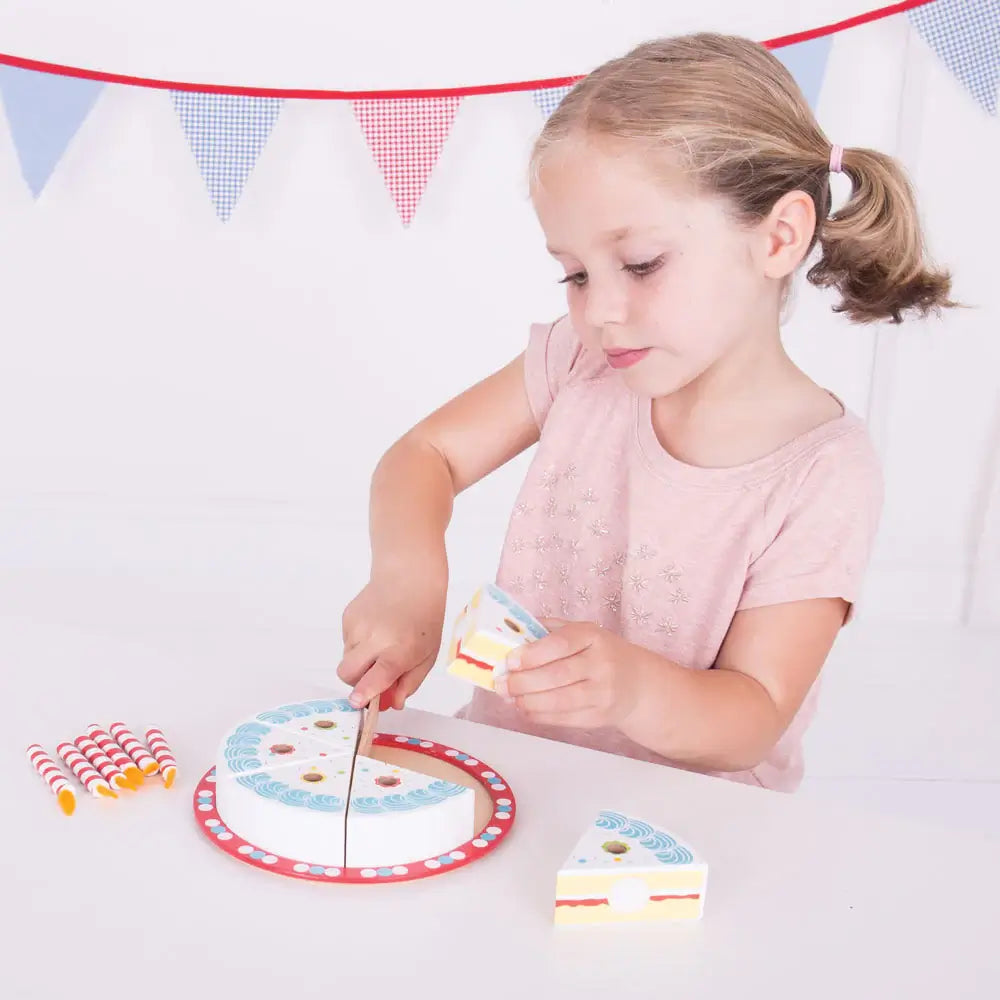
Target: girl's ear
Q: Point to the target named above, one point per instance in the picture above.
(787, 232)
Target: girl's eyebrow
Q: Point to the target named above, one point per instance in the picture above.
(614, 236)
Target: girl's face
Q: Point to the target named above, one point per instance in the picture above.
(658, 277)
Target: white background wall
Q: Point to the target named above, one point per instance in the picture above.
(190, 410)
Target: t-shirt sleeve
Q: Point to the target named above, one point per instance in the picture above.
(823, 544)
(551, 358)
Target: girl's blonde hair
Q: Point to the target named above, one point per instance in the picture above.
(735, 118)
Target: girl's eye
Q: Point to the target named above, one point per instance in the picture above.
(578, 278)
(645, 267)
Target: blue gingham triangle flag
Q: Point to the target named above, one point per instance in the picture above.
(806, 61)
(226, 133)
(549, 98)
(966, 36)
(44, 112)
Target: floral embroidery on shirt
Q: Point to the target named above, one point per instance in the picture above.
(538, 577)
(541, 544)
(639, 617)
(521, 508)
(552, 506)
(583, 593)
(599, 527)
(639, 583)
(550, 479)
(564, 574)
(570, 474)
(667, 626)
(588, 496)
(645, 552)
(613, 602)
(679, 597)
(556, 541)
(620, 559)
(517, 585)
(600, 568)
(670, 573)
(573, 512)
(575, 548)
(517, 546)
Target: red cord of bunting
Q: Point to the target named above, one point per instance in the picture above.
(468, 91)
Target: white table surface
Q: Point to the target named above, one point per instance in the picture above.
(804, 899)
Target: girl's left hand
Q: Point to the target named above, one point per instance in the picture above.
(579, 675)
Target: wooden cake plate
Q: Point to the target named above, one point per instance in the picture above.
(495, 811)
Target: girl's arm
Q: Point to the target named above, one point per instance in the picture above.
(727, 718)
(392, 629)
(730, 717)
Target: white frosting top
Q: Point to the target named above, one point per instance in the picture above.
(616, 841)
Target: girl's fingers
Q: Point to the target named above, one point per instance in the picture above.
(571, 700)
(530, 680)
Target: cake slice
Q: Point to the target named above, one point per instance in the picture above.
(624, 869)
(489, 627)
(397, 816)
(333, 722)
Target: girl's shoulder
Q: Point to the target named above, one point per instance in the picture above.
(555, 359)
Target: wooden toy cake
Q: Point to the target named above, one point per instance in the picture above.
(624, 869)
(489, 627)
(291, 779)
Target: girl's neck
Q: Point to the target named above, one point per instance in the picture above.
(745, 406)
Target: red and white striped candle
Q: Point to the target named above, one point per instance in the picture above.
(84, 772)
(53, 777)
(163, 754)
(130, 744)
(119, 758)
(110, 772)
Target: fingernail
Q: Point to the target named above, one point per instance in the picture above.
(514, 659)
(500, 686)
(355, 701)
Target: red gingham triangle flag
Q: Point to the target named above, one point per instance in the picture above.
(406, 136)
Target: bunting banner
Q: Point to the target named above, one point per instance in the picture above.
(227, 127)
(406, 136)
(965, 34)
(226, 133)
(44, 112)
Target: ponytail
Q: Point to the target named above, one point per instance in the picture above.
(872, 248)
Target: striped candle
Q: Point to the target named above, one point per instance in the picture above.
(53, 777)
(163, 754)
(85, 774)
(126, 739)
(119, 758)
(110, 772)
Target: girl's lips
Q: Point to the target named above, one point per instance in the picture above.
(625, 359)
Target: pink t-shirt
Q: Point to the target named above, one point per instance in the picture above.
(609, 527)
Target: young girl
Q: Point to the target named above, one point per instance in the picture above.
(697, 520)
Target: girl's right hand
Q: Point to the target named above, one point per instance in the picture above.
(392, 634)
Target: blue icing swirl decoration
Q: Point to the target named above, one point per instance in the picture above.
(303, 709)
(436, 791)
(243, 747)
(664, 847)
(279, 791)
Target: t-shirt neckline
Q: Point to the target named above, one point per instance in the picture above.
(663, 463)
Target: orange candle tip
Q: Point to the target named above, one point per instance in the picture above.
(107, 793)
(151, 768)
(169, 773)
(67, 801)
(120, 781)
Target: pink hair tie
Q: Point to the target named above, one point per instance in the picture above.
(836, 159)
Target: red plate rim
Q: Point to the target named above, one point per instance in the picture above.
(485, 841)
